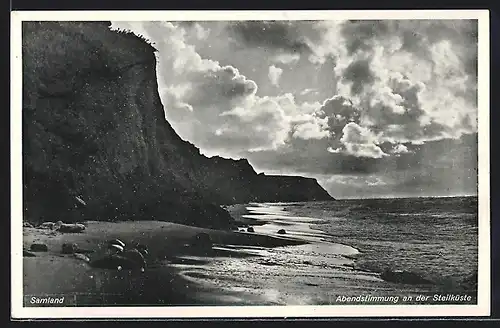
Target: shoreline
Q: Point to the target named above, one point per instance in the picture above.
(53, 273)
(242, 268)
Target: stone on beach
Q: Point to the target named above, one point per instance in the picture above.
(201, 242)
(69, 248)
(136, 256)
(27, 225)
(47, 225)
(116, 242)
(28, 253)
(282, 231)
(70, 227)
(82, 257)
(39, 248)
(250, 229)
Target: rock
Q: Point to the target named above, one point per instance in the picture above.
(250, 229)
(282, 231)
(114, 248)
(27, 253)
(116, 242)
(69, 248)
(135, 256)
(242, 230)
(70, 227)
(82, 257)
(47, 225)
(404, 277)
(39, 248)
(202, 241)
(27, 225)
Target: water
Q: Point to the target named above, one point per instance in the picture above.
(350, 243)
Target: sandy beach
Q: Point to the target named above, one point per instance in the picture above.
(55, 274)
(255, 265)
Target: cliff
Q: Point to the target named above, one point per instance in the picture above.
(94, 127)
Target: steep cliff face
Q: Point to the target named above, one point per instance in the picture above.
(94, 127)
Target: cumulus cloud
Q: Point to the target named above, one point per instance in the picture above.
(360, 142)
(274, 74)
(312, 127)
(405, 72)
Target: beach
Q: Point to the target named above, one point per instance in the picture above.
(300, 265)
(55, 274)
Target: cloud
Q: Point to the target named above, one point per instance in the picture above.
(307, 91)
(201, 33)
(358, 74)
(283, 35)
(437, 168)
(274, 74)
(417, 75)
(313, 128)
(287, 58)
(360, 142)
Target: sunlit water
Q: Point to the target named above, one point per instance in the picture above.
(350, 243)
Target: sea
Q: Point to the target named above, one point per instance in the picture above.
(350, 243)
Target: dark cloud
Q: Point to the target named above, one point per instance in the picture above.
(339, 111)
(283, 35)
(416, 36)
(359, 33)
(459, 156)
(359, 74)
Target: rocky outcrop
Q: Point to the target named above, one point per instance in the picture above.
(96, 144)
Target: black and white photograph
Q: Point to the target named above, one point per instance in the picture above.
(275, 163)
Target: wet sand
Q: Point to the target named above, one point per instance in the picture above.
(55, 274)
(314, 273)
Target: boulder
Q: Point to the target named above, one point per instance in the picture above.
(27, 225)
(27, 253)
(136, 256)
(69, 248)
(116, 242)
(282, 231)
(82, 257)
(70, 227)
(47, 225)
(250, 229)
(202, 242)
(39, 248)
(404, 277)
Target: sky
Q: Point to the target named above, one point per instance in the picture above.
(380, 108)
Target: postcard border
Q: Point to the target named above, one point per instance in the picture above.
(484, 284)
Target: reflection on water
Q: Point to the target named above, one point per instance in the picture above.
(304, 274)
